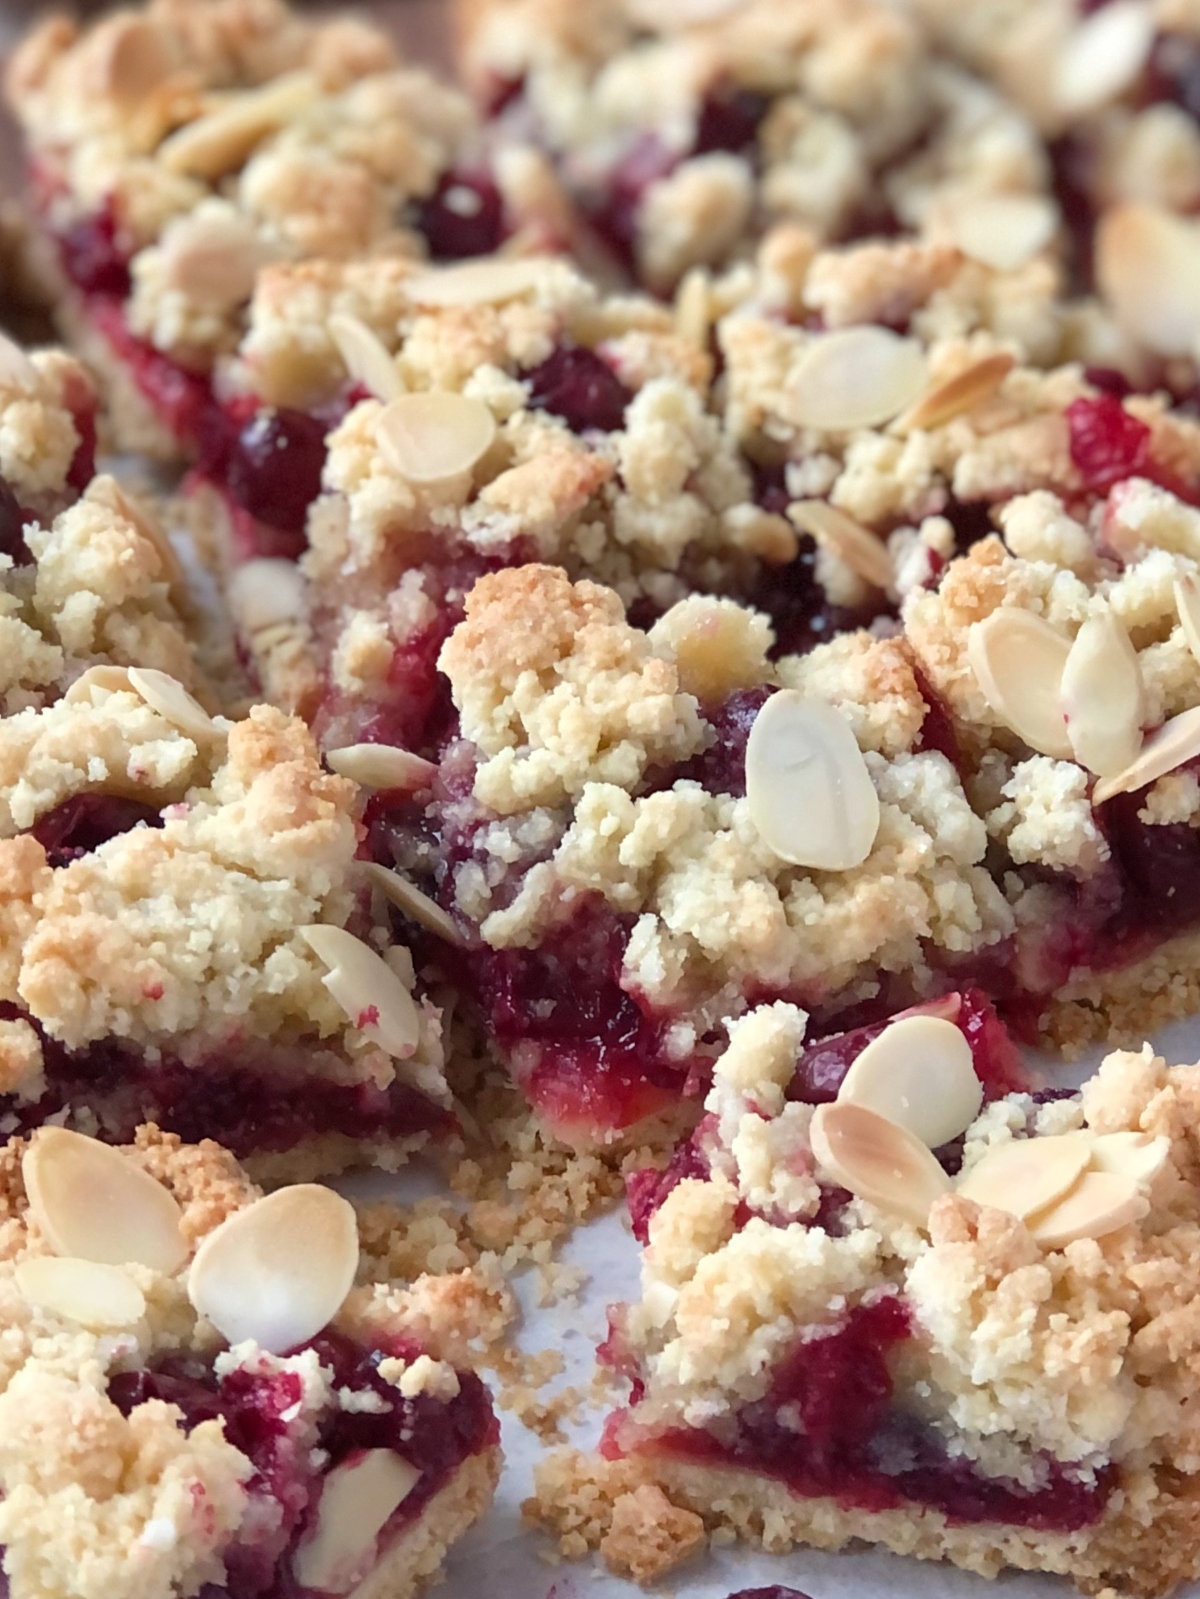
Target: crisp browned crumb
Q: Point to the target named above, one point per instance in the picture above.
(650, 1536)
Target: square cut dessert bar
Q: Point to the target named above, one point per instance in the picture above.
(633, 835)
(195, 1398)
(877, 1311)
(682, 131)
(505, 411)
(176, 149)
(185, 933)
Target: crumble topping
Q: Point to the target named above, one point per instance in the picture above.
(43, 397)
(567, 702)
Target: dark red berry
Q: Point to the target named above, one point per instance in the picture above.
(577, 385)
(463, 216)
(12, 527)
(729, 121)
(274, 468)
(92, 258)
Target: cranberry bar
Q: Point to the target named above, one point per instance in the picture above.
(872, 1310)
(176, 150)
(681, 130)
(196, 1398)
(185, 934)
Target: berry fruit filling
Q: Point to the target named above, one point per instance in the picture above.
(828, 1427)
(258, 1410)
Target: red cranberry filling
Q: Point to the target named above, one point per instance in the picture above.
(464, 216)
(829, 1428)
(85, 821)
(93, 259)
(436, 1437)
(575, 384)
(729, 120)
(12, 527)
(1107, 444)
(274, 469)
(249, 1111)
(614, 213)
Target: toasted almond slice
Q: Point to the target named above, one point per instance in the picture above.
(961, 393)
(166, 695)
(91, 1202)
(131, 57)
(367, 989)
(1135, 1155)
(17, 371)
(1187, 603)
(213, 260)
(877, 1160)
(1103, 56)
(863, 551)
(920, 1074)
(358, 1498)
(435, 437)
(1018, 661)
(1026, 1175)
(365, 356)
(382, 766)
(1003, 231)
(1174, 743)
(856, 377)
(1148, 269)
(83, 1291)
(408, 898)
(112, 679)
(493, 280)
(1102, 697)
(1098, 1204)
(278, 1271)
(267, 592)
(223, 140)
(807, 785)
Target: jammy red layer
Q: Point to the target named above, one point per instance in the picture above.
(435, 1436)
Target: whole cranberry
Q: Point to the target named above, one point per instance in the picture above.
(274, 468)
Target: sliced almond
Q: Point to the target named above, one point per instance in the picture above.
(17, 371)
(1148, 269)
(1175, 742)
(382, 766)
(130, 56)
(266, 593)
(1018, 661)
(213, 258)
(1026, 1175)
(1003, 231)
(435, 437)
(222, 141)
(1097, 1205)
(807, 785)
(863, 551)
(166, 695)
(83, 1291)
(1104, 55)
(490, 281)
(91, 1202)
(365, 357)
(409, 899)
(358, 1498)
(877, 1160)
(857, 377)
(1102, 696)
(1187, 603)
(920, 1074)
(112, 679)
(1135, 1155)
(278, 1271)
(367, 989)
(960, 394)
